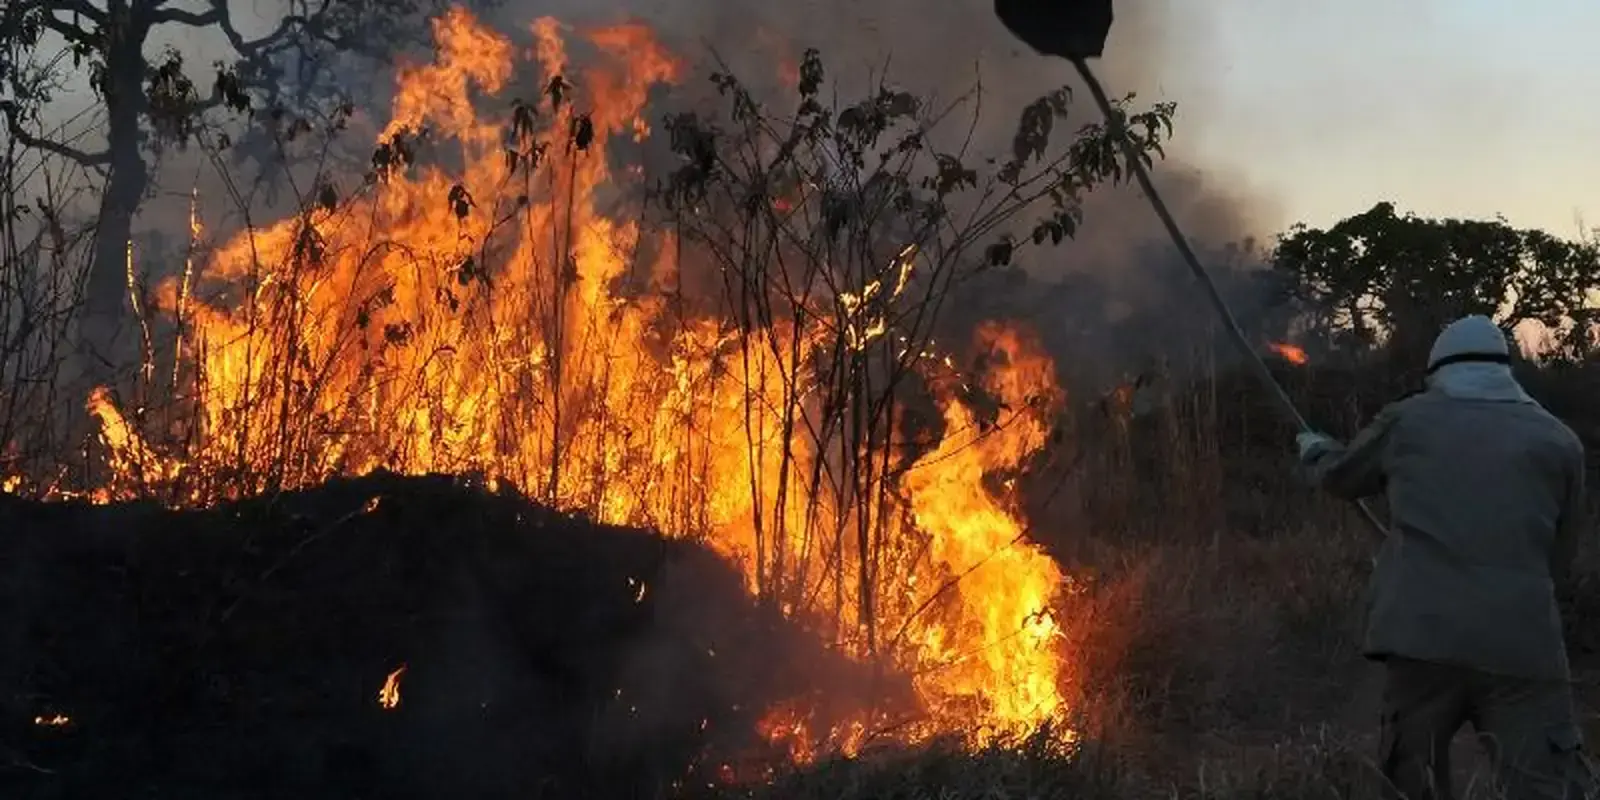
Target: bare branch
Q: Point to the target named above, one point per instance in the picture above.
(250, 49)
(221, 16)
(27, 139)
(74, 34)
(81, 8)
(190, 18)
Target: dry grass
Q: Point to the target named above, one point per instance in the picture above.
(1216, 638)
(1227, 671)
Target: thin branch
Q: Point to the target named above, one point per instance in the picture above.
(14, 127)
(180, 17)
(81, 8)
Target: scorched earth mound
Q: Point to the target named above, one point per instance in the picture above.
(243, 651)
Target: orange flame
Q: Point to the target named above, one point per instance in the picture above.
(1006, 632)
(416, 330)
(1291, 353)
(389, 695)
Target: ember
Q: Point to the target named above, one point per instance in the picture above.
(389, 695)
(1291, 353)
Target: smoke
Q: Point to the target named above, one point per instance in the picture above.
(1114, 299)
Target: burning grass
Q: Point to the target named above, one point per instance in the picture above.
(492, 301)
(750, 362)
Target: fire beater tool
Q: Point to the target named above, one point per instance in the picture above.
(1076, 30)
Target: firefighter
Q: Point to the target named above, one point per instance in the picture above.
(1486, 496)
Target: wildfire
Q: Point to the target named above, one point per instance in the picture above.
(1006, 634)
(1291, 353)
(414, 329)
(389, 695)
(52, 721)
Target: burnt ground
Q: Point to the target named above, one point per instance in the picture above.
(239, 651)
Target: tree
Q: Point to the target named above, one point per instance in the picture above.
(149, 99)
(1380, 277)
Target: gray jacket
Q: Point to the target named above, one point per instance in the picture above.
(1486, 501)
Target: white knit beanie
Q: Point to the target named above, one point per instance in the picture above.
(1473, 338)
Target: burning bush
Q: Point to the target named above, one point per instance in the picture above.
(760, 370)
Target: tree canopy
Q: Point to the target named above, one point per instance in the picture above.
(1381, 277)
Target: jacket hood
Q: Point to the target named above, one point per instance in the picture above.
(1471, 360)
(1470, 339)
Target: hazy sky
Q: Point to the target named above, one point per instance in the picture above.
(1448, 107)
(1318, 109)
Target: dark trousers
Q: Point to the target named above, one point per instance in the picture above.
(1529, 728)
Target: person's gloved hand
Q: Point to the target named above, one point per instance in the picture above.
(1312, 444)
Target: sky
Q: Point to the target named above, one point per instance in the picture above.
(1447, 107)
(1317, 110)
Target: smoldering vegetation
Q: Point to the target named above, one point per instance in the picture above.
(241, 651)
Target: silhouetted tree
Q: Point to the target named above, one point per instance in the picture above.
(1380, 277)
(150, 100)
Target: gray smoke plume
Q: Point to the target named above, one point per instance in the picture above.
(1113, 300)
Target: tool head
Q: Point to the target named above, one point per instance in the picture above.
(1070, 29)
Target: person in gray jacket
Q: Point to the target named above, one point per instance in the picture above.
(1486, 498)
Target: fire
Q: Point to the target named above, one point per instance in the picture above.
(52, 721)
(1291, 353)
(468, 320)
(389, 695)
(1005, 632)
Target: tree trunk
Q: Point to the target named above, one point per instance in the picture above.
(104, 332)
(1415, 321)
